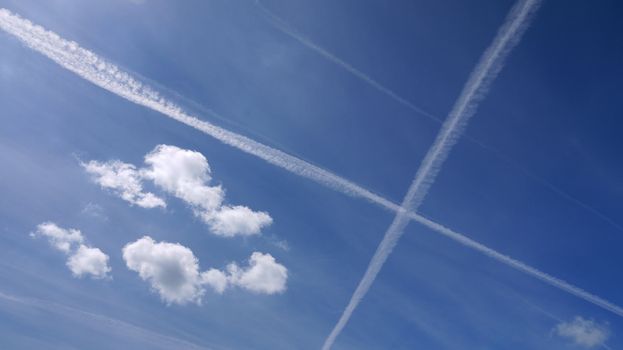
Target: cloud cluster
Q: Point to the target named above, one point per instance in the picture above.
(82, 260)
(173, 272)
(583, 332)
(186, 175)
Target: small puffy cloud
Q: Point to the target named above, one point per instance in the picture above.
(263, 275)
(124, 180)
(172, 270)
(95, 211)
(82, 260)
(184, 174)
(216, 279)
(583, 332)
(59, 238)
(88, 261)
(238, 220)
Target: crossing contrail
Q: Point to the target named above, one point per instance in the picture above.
(282, 26)
(473, 92)
(286, 29)
(109, 77)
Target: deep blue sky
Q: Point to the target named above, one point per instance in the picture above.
(550, 124)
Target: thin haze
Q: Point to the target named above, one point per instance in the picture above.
(105, 323)
(473, 92)
(98, 71)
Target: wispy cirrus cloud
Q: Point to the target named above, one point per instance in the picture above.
(110, 326)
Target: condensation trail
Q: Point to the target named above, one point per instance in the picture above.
(518, 265)
(473, 92)
(282, 26)
(107, 76)
(286, 29)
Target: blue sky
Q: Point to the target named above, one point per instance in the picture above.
(545, 189)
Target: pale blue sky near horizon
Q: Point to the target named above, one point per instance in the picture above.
(553, 112)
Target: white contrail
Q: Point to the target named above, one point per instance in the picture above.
(100, 322)
(518, 265)
(282, 26)
(474, 90)
(108, 76)
(83, 62)
(286, 29)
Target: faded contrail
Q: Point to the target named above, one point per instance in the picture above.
(145, 336)
(473, 92)
(87, 65)
(286, 29)
(282, 26)
(518, 265)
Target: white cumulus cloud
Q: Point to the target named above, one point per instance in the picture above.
(263, 275)
(185, 174)
(582, 332)
(237, 220)
(88, 261)
(173, 272)
(60, 238)
(171, 269)
(82, 260)
(216, 279)
(124, 180)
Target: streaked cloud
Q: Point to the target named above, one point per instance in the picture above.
(582, 332)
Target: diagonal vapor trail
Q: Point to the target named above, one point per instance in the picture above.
(108, 76)
(473, 92)
(517, 265)
(285, 28)
(100, 72)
